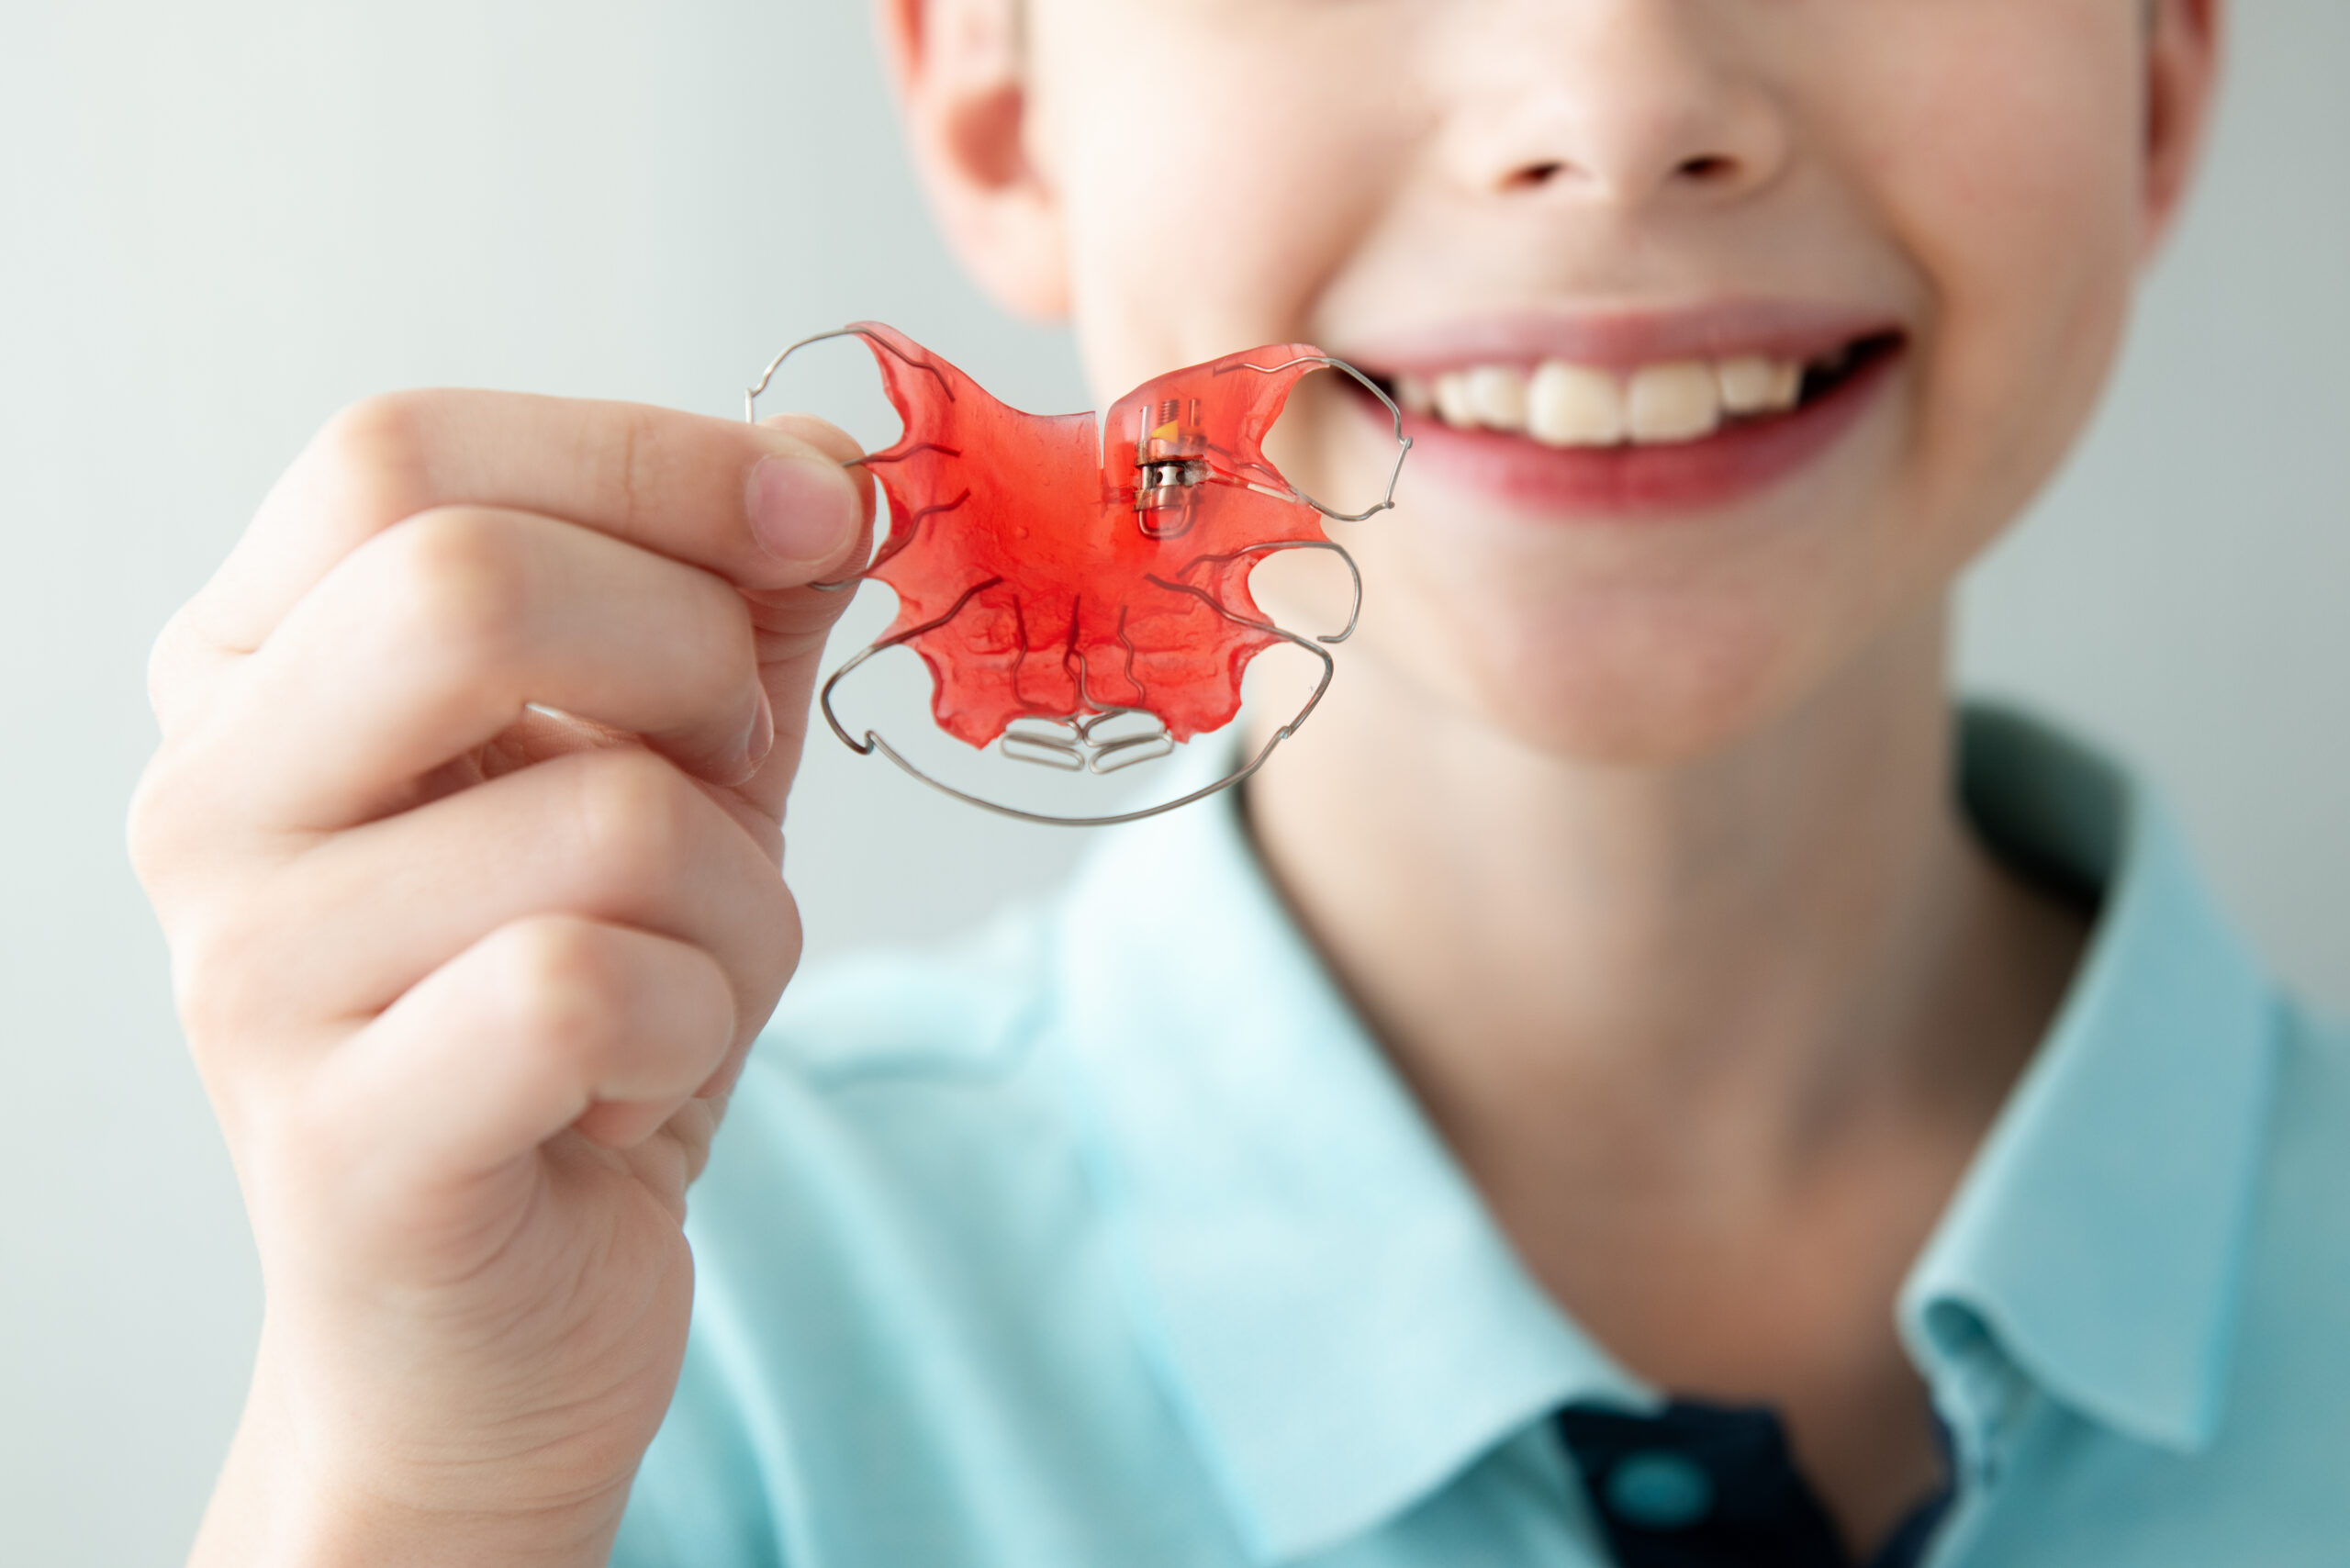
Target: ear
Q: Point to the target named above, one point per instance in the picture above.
(2183, 68)
(961, 71)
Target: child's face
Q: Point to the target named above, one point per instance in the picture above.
(1956, 193)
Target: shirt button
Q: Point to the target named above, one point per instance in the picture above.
(1660, 1490)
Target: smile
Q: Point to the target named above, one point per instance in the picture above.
(1562, 404)
(1651, 416)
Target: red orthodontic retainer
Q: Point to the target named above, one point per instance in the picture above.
(1083, 603)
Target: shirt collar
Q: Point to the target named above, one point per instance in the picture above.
(1344, 1328)
(2094, 1247)
(1339, 1321)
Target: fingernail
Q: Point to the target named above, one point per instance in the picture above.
(762, 738)
(801, 509)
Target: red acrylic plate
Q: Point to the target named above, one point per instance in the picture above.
(1044, 573)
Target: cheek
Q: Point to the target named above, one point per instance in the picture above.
(1213, 179)
(2010, 171)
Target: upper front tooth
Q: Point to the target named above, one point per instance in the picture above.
(1497, 394)
(1675, 402)
(1574, 405)
(1747, 383)
(1563, 404)
(1756, 384)
(1452, 404)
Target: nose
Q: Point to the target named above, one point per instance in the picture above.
(1624, 104)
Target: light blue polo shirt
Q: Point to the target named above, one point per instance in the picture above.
(1110, 1238)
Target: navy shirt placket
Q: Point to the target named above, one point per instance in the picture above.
(1700, 1485)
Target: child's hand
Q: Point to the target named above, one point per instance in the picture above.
(467, 981)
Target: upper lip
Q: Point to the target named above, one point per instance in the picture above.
(1622, 337)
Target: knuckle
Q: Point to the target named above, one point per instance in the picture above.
(378, 441)
(628, 464)
(637, 818)
(223, 994)
(164, 660)
(172, 829)
(564, 992)
(187, 666)
(150, 831)
(372, 459)
(763, 970)
(460, 587)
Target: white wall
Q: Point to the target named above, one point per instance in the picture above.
(219, 222)
(2185, 590)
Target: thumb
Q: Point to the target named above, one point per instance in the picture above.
(792, 623)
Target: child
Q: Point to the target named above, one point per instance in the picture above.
(1635, 1081)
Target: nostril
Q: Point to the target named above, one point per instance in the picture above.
(1709, 169)
(1534, 175)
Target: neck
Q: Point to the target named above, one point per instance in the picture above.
(1714, 1039)
(1760, 943)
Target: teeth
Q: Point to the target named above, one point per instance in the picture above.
(1562, 404)
(1673, 402)
(1497, 392)
(1452, 404)
(1759, 386)
(1574, 405)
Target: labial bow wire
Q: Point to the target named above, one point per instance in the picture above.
(1083, 603)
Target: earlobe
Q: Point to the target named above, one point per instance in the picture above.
(959, 67)
(2183, 50)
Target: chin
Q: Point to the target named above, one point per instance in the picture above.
(1611, 706)
(1651, 680)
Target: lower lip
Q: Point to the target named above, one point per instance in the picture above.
(1625, 483)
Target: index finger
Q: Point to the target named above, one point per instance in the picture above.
(684, 485)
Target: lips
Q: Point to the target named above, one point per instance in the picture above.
(1634, 415)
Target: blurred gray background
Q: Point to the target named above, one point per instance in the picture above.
(219, 222)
